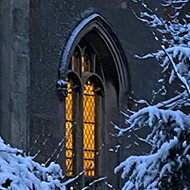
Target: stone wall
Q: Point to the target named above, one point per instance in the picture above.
(14, 56)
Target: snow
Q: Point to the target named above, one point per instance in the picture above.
(61, 82)
(174, 53)
(166, 166)
(168, 126)
(20, 172)
(95, 181)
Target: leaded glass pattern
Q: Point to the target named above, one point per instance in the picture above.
(81, 109)
(89, 106)
(69, 133)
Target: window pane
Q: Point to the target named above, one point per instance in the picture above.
(69, 134)
(89, 129)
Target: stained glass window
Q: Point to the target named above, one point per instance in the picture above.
(82, 62)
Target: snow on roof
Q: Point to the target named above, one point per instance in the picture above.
(20, 172)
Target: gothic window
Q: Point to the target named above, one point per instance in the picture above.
(95, 72)
(83, 101)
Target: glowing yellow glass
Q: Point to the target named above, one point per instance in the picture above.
(69, 136)
(84, 64)
(89, 107)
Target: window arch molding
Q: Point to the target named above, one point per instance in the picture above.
(99, 85)
(76, 79)
(97, 23)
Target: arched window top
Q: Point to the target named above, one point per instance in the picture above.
(104, 42)
(96, 80)
(92, 77)
(93, 64)
(76, 79)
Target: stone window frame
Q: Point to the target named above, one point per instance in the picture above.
(97, 23)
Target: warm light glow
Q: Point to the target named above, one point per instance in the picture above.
(84, 64)
(74, 62)
(89, 129)
(81, 63)
(69, 136)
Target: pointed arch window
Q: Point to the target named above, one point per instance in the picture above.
(85, 105)
(95, 67)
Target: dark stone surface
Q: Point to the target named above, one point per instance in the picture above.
(14, 72)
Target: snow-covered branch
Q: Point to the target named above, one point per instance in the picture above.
(174, 53)
(170, 141)
(167, 165)
(21, 172)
